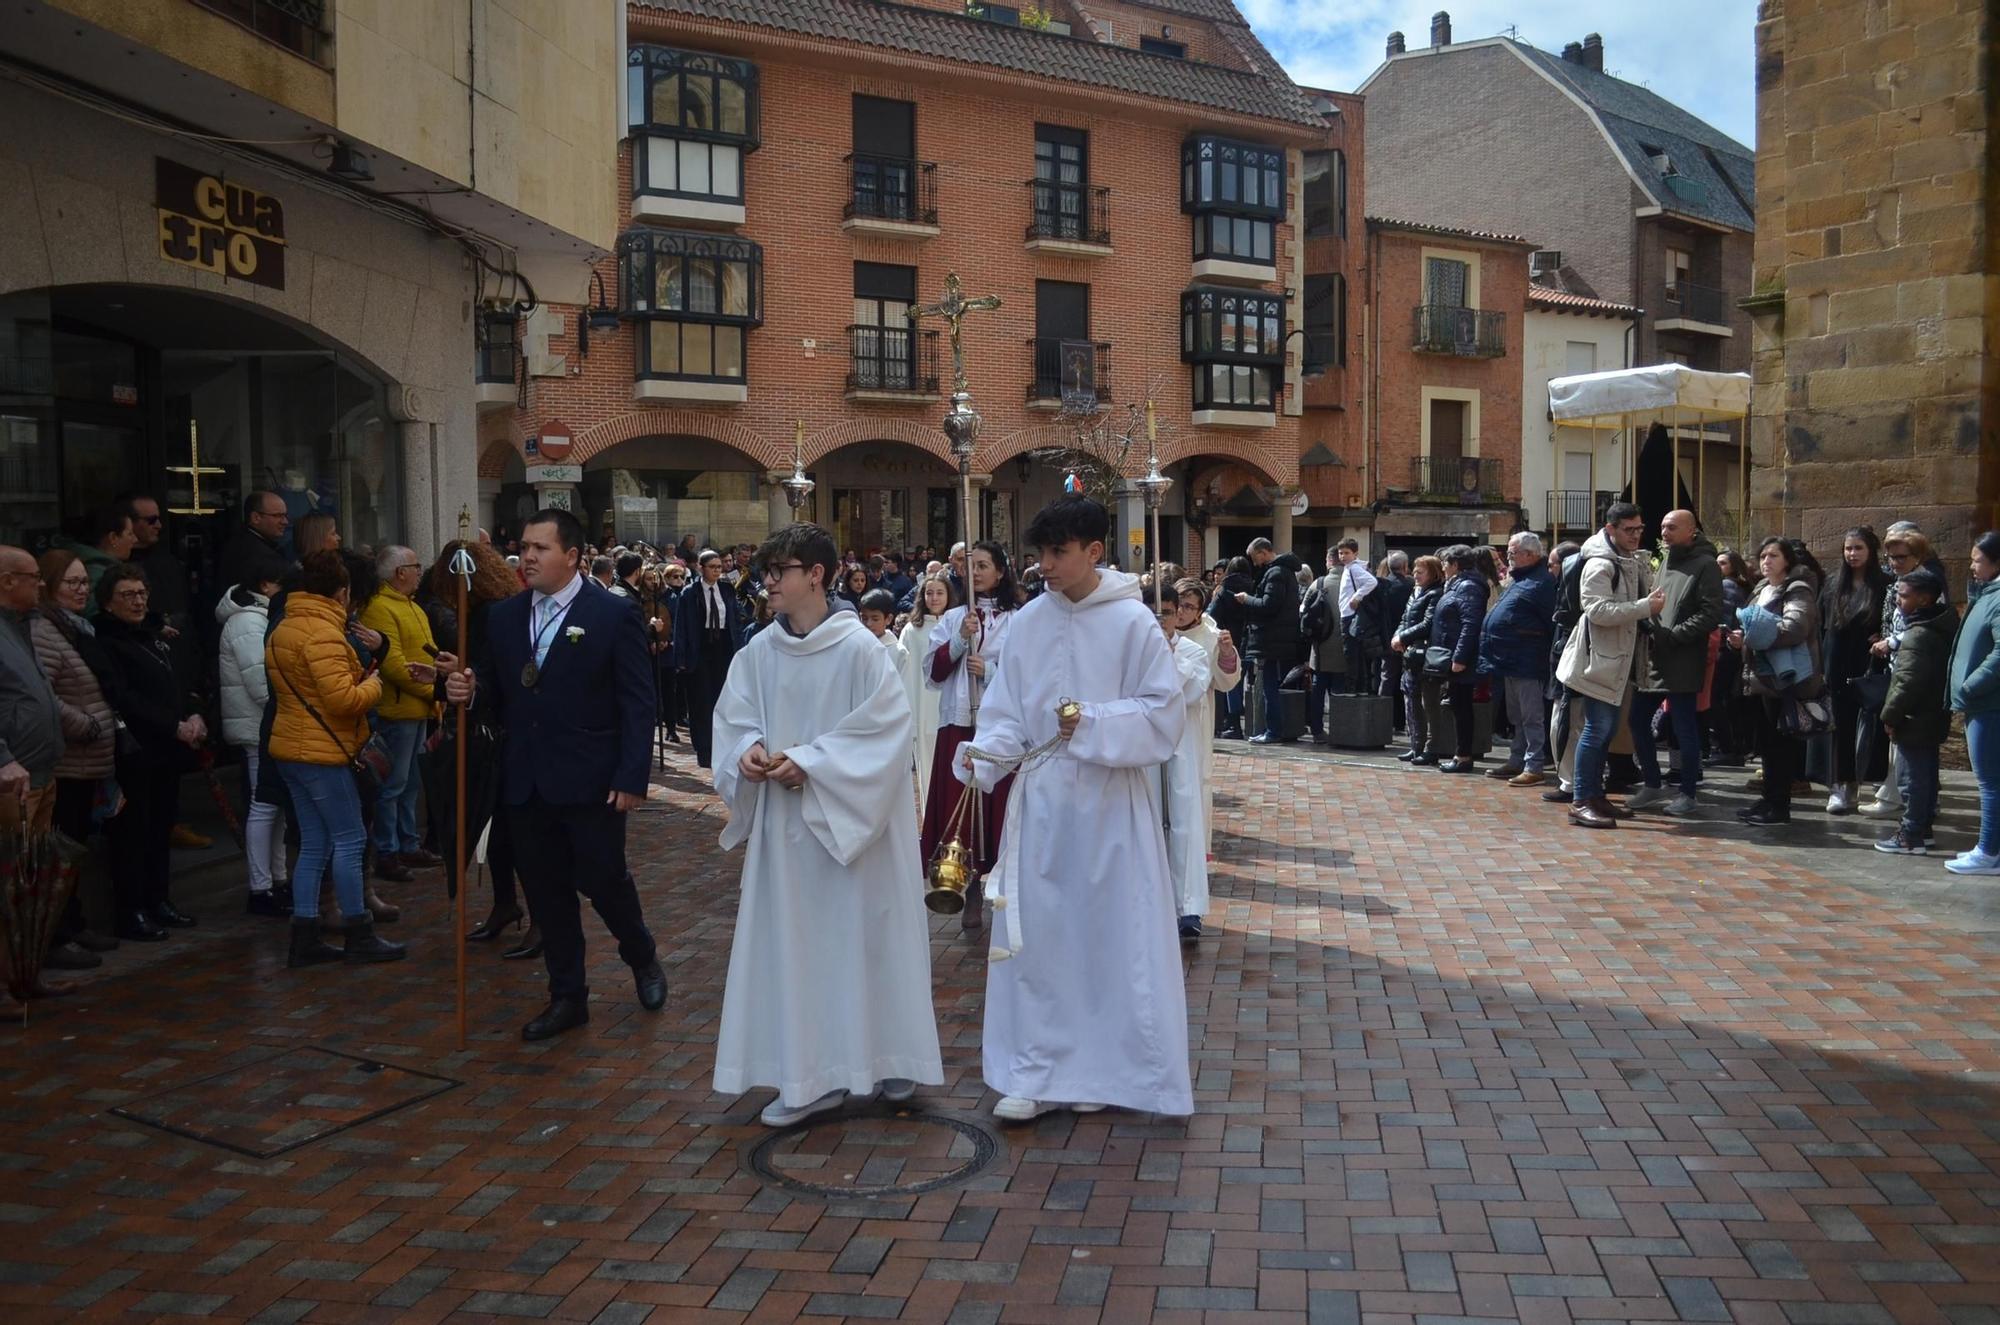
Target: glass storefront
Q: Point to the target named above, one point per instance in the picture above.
(109, 389)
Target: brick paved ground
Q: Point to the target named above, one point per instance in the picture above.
(1452, 1061)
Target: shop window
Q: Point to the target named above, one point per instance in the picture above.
(1236, 194)
(693, 118)
(693, 297)
(1234, 341)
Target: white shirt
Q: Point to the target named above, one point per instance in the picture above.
(714, 615)
(1355, 582)
(542, 628)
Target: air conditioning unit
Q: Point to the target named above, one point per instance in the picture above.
(1544, 261)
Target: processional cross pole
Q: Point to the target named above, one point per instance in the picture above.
(961, 421)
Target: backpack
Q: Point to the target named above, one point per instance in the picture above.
(1569, 593)
(1320, 620)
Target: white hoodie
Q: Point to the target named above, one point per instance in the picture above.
(245, 688)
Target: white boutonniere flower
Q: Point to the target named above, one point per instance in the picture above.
(575, 634)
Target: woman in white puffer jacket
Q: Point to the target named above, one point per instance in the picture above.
(245, 616)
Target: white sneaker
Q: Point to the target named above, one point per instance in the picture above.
(1841, 801)
(897, 1089)
(1881, 809)
(1680, 805)
(1014, 1109)
(777, 1115)
(1645, 798)
(1974, 861)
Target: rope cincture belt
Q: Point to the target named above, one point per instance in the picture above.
(1004, 884)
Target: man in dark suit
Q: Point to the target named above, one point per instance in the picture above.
(570, 679)
(708, 622)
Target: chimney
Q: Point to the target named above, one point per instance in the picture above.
(1593, 52)
(1440, 29)
(1395, 44)
(1573, 52)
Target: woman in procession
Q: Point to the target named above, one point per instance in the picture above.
(934, 598)
(959, 659)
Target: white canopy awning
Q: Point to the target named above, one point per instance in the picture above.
(1630, 397)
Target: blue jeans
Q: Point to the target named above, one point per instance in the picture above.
(1593, 747)
(1324, 684)
(327, 809)
(1920, 797)
(1687, 737)
(1270, 675)
(1982, 740)
(396, 808)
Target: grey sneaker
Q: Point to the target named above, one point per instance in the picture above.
(1645, 798)
(1682, 804)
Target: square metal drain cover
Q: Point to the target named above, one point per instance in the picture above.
(291, 1099)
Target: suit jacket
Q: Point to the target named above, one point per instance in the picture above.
(689, 630)
(586, 727)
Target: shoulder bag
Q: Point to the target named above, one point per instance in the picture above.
(371, 763)
(1870, 689)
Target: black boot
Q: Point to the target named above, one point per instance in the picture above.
(363, 946)
(308, 948)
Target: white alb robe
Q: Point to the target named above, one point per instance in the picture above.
(1088, 1005)
(956, 692)
(830, 973)
(1209, 635)
(1183, 790)
(923, 704)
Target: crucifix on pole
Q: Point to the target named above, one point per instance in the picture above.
(961, 421)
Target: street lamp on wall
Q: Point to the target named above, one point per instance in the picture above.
(600, 317)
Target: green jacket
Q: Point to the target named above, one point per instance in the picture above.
(1915, 709)
(95, 562)
(1677, 662)
(1975, 663)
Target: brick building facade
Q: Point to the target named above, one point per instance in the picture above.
(1878, 299)
(1137, 192)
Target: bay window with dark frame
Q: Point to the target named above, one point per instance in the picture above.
(1325, 323)
(693, 118)
(1235, 191)
(691, 299)
(1323, 180)
(1233, 340)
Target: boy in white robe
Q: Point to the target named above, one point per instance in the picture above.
(1085, 1001)
(829, 989)
(1182, 789)
(877, 611)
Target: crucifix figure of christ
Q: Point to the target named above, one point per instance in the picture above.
(953, 308)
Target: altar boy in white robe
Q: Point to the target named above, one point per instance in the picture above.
(829, 989)
(1085, 1005)
(1181, 785)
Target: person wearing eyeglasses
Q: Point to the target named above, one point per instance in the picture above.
(165, 728)
(248, 557)
(104, 539)
(165, 575)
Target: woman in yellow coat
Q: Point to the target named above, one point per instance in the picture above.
(324, 693)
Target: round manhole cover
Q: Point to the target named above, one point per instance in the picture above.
(864, 1156)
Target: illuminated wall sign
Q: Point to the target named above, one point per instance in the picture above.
(210, 224)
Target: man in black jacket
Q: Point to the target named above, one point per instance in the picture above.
(1273, 614)
(1393, 589)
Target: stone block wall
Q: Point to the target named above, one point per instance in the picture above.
(1875, 395)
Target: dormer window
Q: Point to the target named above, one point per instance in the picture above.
(693, 118)
(1235, 191)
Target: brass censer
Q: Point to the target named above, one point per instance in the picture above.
(951, 873)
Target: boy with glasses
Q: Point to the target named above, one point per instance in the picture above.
(829, 988)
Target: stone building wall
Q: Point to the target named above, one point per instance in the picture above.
(1878, 298)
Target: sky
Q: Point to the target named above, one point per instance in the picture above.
(1696, 53)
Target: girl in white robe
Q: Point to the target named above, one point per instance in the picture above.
(1225, 674)
(1183, 793)
(829, 986)
(935, 597)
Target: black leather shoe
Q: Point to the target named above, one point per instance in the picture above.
(1423, 761)
(496, 923)
(267, 904)
(92, 941)
(69, 957)
(1763, 814)
(652, 983)
(169, 916)
(528, 948)
(1556, 795)
(138, 927)
(1458, 766)
(562, 1014)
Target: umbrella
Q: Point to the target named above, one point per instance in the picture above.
(37, 872)
(220, 796)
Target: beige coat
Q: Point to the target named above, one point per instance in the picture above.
(1607, 648)
(89, 728)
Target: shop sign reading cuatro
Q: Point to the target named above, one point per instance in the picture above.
(215, 226)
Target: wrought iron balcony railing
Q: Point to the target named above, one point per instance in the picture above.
(892, 359)
(1575, 508)
(891, 188)
(297, 25)
(1076, 213)
(1696, 303)
(1075, 372)
(1471, 333)
(1468, 480)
